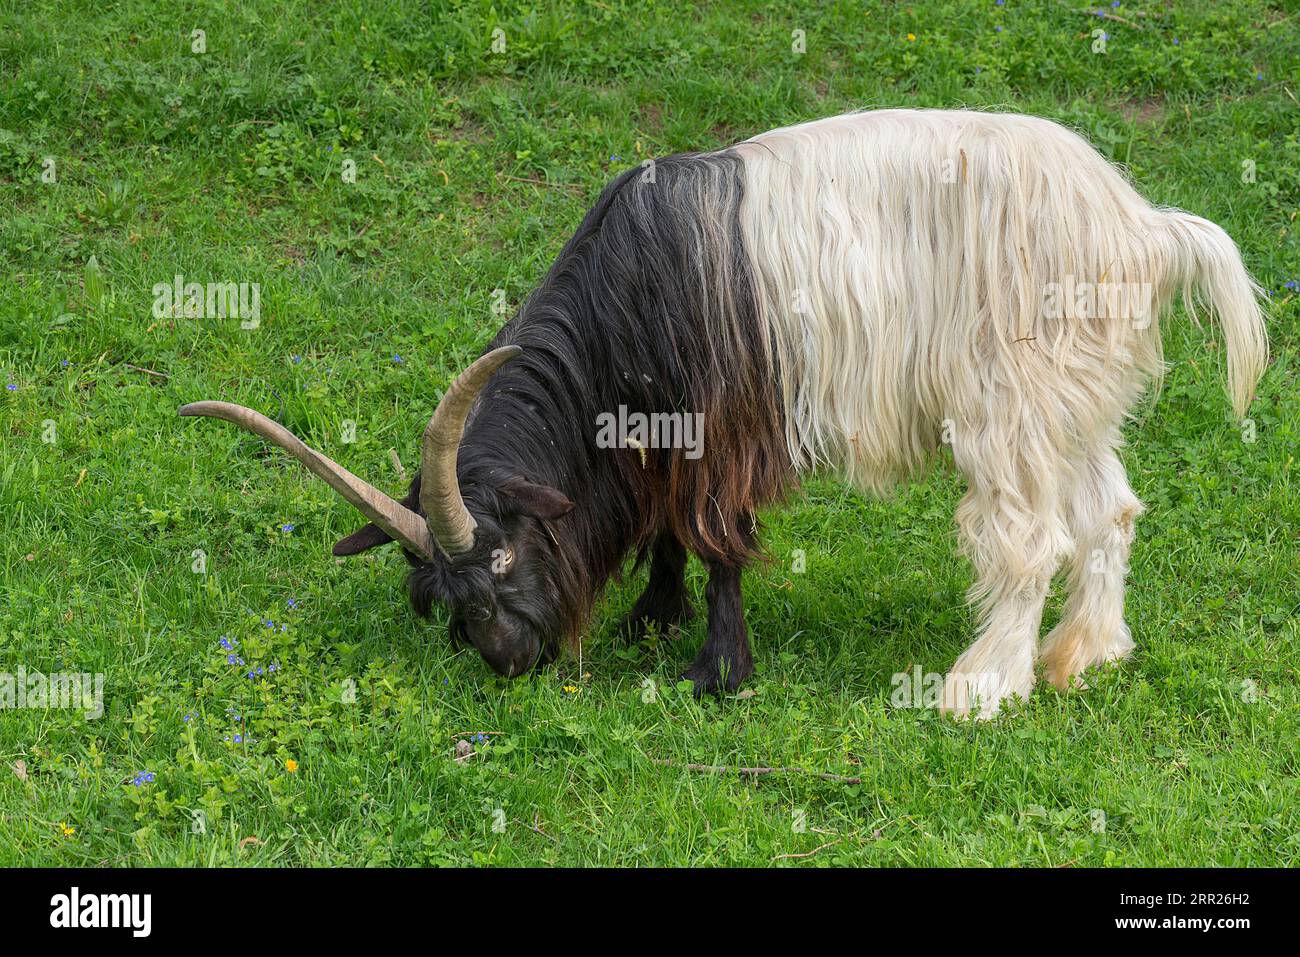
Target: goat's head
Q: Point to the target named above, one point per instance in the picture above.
(484, 551)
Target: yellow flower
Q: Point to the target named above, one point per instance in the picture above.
(291, 765)
(911, 38)
(65, 830)
(570, 689)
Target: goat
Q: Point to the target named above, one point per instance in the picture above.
(844, 296)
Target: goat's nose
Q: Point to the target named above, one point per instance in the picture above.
(510, 664)
(530, 658)
(521, 663)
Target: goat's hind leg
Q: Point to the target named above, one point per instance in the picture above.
(1092, 631)
(1014, 535)
(999, 664)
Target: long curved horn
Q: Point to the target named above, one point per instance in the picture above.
(394, 518)
(450, 523)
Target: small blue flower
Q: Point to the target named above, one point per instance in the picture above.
(287, 528)
(999, 28)
(292, 603)
(273, 667)
(231, 659)
(1259, 76)
(239, 739)
(1176, 43)
(64, 363)
(1115, 3)
(295, 359)
(225, 643)
(12, 387)
(188, 718)
(398, 359)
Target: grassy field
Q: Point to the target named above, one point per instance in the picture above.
(140, 546)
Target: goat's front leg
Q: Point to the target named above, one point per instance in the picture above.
(664, 601)
(725, 660)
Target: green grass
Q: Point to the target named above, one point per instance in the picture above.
(472, 169)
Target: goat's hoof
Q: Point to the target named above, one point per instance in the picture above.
(1068, 654)
(979, 695)
(665, 617)
(717, 676)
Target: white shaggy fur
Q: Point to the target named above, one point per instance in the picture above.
(903, 261)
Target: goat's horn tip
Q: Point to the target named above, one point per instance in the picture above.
(209, 407)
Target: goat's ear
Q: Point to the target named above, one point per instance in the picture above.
(363, 539)
(539, 501)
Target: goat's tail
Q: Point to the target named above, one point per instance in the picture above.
(1209, 269)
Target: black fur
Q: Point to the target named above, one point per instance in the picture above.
(650, 305)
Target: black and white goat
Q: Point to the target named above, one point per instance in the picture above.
(845, 295)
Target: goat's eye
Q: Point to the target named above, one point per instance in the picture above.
(478, 612)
